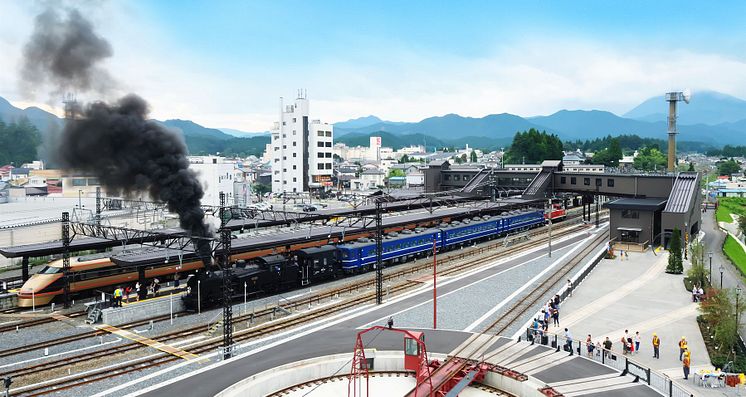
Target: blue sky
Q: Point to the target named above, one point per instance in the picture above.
(225, 63)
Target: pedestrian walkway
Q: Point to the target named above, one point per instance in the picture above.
(637, 295)
(148, 342)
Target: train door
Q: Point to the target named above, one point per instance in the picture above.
(305, 271)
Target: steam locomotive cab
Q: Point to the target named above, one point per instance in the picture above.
(317, 263)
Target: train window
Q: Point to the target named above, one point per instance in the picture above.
(50, 270)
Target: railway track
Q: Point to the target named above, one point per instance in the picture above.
(263, 329)
(36, 321)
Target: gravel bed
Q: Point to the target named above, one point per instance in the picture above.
(459, 309)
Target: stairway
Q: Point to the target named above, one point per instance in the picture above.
(215, 326)
(94, 315)
(476, 182)
(537, 186)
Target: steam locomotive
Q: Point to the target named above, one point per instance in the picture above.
(276, 273)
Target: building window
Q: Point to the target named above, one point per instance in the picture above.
(329, 155)
(284, 146)
(587, 181)
(610, 182)
(284, 157)
(457, 177)
(284, 123)
(93, 182)
(295, 143)
(284, 170)
(277, 160)
(630, 214)
(284, 182)
(573, 180)
(320, 155)
(599, 182)
(295, 155)
(320, 144)
(277, 148)
(295, 167)
(466, 177)
(446, 177)
(328, 166)
(295, 179)
(294, 120)
(563, 180)
(329, 134)
(320, 133)
(277, 172)
(284, 135)
(328, 144)
(79, 182)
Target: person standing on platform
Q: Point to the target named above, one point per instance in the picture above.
(607, 346)
(656, 346)
(637, 341)
(127, 292)
(568, 341)
(682, 347)
(590, 345)
(569, 287)
(687, 362)
(137, 291)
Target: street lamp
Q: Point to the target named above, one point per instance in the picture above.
(686, 239)
(80, 204)
(722, 269)
(738, 294)
(709, 254)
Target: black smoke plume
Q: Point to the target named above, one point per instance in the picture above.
(114, 142)
(66, 53)
(128, 152)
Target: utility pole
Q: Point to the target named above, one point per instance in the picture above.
(379, 251)
(225, 264)
(66, 258)
(549, 217)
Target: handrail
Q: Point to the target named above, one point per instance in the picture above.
(611, 358)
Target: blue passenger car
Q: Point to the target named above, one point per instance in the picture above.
(361, 255)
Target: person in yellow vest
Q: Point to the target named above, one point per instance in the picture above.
(682, 347)
(118, 297)
(687, 362)
(656, 345)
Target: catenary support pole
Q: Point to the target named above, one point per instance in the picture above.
(435, 284)
(66, 258)
(225, 239)
(379, 251)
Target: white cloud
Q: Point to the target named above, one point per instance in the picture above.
(528, 77)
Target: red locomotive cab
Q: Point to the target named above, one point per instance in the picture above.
(413, 354)
(557, 213)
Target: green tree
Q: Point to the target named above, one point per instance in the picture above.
(396, 172)
(609, 156)
(18, 142)
(729, 167)
(261, 188)
(691, 167)
(473, 156)
(697, 273)
(533, 147)
(404, 159)
(675, 263)
(463, 158)
(650, 159)
(719, 313)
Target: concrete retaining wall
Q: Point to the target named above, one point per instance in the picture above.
(8, 301)
(142, 310)
(275, 379)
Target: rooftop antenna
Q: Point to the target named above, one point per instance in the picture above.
(672, 98)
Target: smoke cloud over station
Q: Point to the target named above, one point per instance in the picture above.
(113, 141)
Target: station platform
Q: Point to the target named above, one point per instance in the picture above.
(642, 298)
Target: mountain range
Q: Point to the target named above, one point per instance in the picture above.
(711, 117)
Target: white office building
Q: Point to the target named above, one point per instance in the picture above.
(216, 174)
(302, 150)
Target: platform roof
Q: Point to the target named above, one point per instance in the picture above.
(645, 204)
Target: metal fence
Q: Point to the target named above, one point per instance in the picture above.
(611, 358)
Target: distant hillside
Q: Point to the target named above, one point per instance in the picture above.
(706, 107)
(242, 134)
(191, 129)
